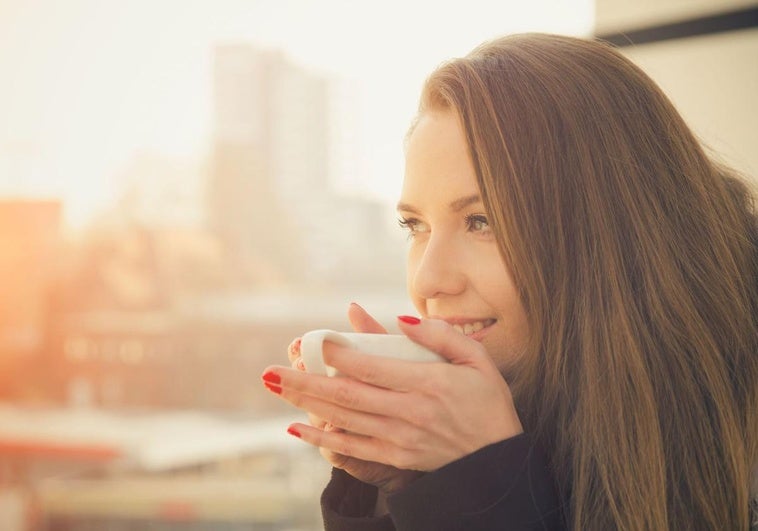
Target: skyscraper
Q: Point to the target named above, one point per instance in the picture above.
(245, 208)
(29, 253)
(271, 196)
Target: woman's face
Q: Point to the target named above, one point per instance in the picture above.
(455, 271)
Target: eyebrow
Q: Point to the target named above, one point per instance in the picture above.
(455, 206)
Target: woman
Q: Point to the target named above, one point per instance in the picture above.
(602, 271)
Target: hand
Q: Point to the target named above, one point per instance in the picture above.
(386, 478)
(407, 415)
(362, 322)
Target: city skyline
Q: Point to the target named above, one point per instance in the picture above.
(99, 320)
(98, 84)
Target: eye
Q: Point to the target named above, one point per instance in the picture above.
(413, 226)
(477, 223)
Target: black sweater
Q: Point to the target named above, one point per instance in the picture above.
(504, 486)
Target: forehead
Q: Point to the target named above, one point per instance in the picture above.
(437, 158)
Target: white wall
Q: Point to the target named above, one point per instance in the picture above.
(712, 79)
(623, 15)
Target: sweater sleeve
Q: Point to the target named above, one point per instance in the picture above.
(503, 486)
(506, 486)
(347, 504)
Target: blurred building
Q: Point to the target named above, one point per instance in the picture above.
(134, 317)
(205, 356)
(144, 318)
(81, 470)
(29, 252)
(245, 208)
(271, 191)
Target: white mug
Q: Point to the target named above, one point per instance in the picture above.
(386, 345)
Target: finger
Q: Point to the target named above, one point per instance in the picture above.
(338, 460)
(440, 337)
(293, 350)
(379, 371)
(361, 320)
(345, 392)
(339, 418)
(335, 459)
(316, 422)
(298, 364)
(350, 445)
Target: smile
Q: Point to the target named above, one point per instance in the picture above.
(473, 327)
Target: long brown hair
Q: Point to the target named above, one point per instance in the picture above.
(635, 256)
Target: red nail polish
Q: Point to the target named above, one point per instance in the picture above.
(292, 431)
(273, 388)
(272, 377)
(409, 319)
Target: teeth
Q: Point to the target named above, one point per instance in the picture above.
(470, 328)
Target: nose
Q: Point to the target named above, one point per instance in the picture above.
(437, 269)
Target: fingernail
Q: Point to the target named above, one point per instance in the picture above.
(272, 377)
(273, 388)
(409, 319)
(300, 364)
(294, 347)
(292, 431)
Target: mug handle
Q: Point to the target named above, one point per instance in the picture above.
(311, 350)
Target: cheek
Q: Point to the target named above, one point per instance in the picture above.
(504, 298)
(509, 343)
(411, 267)
(515, 328)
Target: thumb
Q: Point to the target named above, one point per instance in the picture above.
(440, 337)
(362, 322)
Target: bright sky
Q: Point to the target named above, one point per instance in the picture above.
(86, 84)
